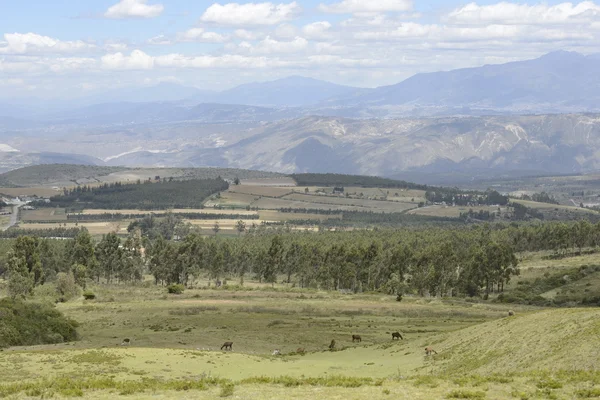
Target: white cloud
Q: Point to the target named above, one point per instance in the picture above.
(317, 30)
(250, 14)
(12, 82)
(136, 60)
(512, 13)
(27, 43)
(272, 46)
(200, 35)
(225, 61)
(134, 9)
(286, 31)
(367, 6)
(245, 34)
(115, 46)
(160, 40)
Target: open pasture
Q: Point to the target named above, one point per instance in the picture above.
(44, 214)
(95, 228)
(364, 204)
(268, 191)
(273, 181)
(176, 339)
(173, 210)
(449, 211)
(30, 191)
(281, 216)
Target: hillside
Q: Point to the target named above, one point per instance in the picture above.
(74, 174)
(557, 82)
(40, 175)
(544, 340)
(473, 146)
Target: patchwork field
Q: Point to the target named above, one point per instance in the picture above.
(95, 228)
(44, 214)
(449, 211)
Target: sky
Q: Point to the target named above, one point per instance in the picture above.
(70, 48)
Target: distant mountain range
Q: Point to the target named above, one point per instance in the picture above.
(557, 82)
(470, 122)
(460, 146)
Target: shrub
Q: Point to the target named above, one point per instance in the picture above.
(465, 394)
(66, 286)
(175, 289)
(227, 389)
(27, 323)
(89, 295)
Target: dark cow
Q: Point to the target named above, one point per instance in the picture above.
(227, 345)
(332, 345)
(397, 335)
(356, 338)
(125, 342)
(511, 313)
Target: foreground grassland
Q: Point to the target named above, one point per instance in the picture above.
(175, 348)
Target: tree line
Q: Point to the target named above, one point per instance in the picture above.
(439, 261)
(147, 195)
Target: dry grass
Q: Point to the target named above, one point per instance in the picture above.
(95, 228)
(449, 211)
(44, 214)
(174, 211)
(33, 191)
(270, 191)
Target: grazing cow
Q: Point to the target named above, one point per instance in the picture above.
(397, 335)
(429, 350)
(511, 313)
(356, 338)
(332, 345)
(126, 342)
(227, 345)
(300, 350)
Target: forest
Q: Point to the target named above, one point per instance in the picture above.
(147, 195)
(439, 261)
(353, 180)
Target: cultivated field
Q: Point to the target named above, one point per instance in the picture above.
(449, 211)
(95, 228)
(33, 191)
(44, 214)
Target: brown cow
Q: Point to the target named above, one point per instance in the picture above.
(356, 338)
(397, 335)
(511, 313)
(300, 350)
(429, 350)
(332, 345)
(227, 345)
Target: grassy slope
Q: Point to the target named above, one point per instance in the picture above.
(545, 340)
(39, 175)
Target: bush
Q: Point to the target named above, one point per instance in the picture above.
(66, 286)
(175, 289)
(227, 389)
(27, 323)
(89, 295)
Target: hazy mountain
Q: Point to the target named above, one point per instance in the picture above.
(163, 92)
(165, 112)
(10, 160)
(469, 146)
(559, 81)
(295, 91)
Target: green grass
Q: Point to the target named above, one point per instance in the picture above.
(175, 348)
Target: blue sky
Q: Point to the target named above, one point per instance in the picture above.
(68, 48)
